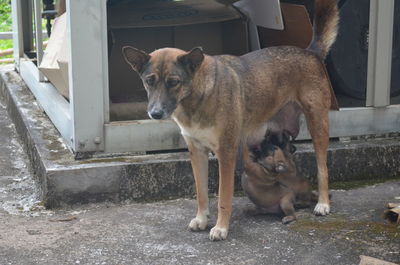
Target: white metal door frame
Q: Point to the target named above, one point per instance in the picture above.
(88, 73)
(380, 53)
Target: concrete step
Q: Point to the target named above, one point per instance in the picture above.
(64, 180)
(18, 193)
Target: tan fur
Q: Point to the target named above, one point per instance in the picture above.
(220, 100)
(273, 191)
(326, 23)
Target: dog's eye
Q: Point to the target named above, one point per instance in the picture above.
(172, 82)
(150, 80)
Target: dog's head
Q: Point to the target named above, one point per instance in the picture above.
(167, 76)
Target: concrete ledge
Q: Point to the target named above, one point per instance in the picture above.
(65, 180)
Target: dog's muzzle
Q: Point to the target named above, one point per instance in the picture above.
(156, 114)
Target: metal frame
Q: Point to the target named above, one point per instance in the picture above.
(57, 108)
(39, 35)
(359, 121)
(88, 73)
(18, 40)
(380, 52)
(84, 121)
(9, 35)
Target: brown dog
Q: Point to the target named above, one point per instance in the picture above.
(270, 179)
(218, 100)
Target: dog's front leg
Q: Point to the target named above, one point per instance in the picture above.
(199, 160)
(226, 161)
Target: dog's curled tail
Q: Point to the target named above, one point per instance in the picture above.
(326, 20)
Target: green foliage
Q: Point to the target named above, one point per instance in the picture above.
(5, 15)
(6, 44)
(5, 24)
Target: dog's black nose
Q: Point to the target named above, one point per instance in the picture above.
(156, 114)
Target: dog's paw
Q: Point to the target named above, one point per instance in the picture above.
(288, 219)
(322, 209)
(218, 233)
(198, 223)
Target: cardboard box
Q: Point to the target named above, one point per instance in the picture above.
(55, 63)
(297, 31)
(264, 13)
(277, 23)
(149, 25)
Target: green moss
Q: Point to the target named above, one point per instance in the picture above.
(240, 194)
(108, 160)
(340, 226)
(353, 184)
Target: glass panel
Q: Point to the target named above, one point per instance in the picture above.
(348, 60)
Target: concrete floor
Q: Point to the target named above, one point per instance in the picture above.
(155, 233)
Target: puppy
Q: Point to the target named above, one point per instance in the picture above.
(270, 179)
(217, 101)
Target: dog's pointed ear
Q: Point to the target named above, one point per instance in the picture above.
(135, 58)
(193, 59)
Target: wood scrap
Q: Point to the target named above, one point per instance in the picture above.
(365, 260)
(392, 214)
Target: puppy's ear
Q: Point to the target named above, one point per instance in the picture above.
(292, 149)
(255, 153)
(135, 58)
(288, 145)
(192, 60)
(286, 136)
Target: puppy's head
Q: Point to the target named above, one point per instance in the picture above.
(274, 152)
(167, 76)
(273, 159)
(281, 140)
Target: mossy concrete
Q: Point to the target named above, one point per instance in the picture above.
(65, 180)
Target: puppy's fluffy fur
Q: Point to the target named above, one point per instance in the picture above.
(270, 179)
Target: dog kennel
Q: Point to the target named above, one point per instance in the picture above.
(84, 119)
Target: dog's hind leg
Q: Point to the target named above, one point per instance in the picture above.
(318, 125)
(199, 160)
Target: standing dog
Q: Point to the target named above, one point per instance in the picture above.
(218, 100)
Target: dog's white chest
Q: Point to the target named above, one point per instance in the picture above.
(203, 136)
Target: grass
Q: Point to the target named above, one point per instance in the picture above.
(5, 25)
(6, 44)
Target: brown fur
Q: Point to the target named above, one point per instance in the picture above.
(326, 24)
(217, 101)
(271, 182)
